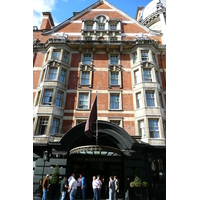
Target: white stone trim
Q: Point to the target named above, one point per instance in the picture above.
(100, 111)
(100, 91)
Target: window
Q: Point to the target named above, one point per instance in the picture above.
(147, 75)
(114, 59)
(117, 122)
(56, 54)
(145, 55)
(137, 75)
(114, 77)
(85, 78)
(55, 126)
(139, 100)
(83, 101)
(160, 100)
(113, 27)
(157, 79)
(48, 94)
(66, 57)
(101, 26)
(79, 121)
(52, 73)
(87, 59)
(43, 75)
(47, 56)
(164, 128)
(88, 38)
(113, 38)
(150, 98)
(154, 57)
(42, 126)
(142, 128)
(135, 57)
(153, 128)
(89, 27)
(62, 75)
(38, 97)
(114, 101)
(59, 99)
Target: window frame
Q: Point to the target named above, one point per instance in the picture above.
(56, 127)
(50, 103)
(60, 99)
(85, 68)
(142, 133)
(148, 75)
(158, 128)
(154, 98)
(63, 69)
(38, 125)
(64, 59)
(139, 102)
(55, 74)
(115, 69)
(116, 92)
(78, 100)
(56, 57)
(144, 58)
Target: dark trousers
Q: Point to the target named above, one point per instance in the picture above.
(95, 197)
(98, 193)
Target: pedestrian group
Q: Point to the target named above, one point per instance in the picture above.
(77, 187)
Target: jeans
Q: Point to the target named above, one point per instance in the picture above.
(98, 193)
(83, 191)
(73, 194)
(44, 196)
(111, 194)
(95, 194)
(63, 193)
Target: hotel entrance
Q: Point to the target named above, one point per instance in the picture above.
(107, 162)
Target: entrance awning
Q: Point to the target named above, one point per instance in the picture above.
(96, 150)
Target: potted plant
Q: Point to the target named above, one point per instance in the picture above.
(54, 184)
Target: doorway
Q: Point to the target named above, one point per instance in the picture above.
(91, 166)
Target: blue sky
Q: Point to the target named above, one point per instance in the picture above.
(63, 9)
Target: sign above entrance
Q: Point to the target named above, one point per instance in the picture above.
(96, 150)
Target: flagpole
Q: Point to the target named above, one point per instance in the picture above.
(97, 123)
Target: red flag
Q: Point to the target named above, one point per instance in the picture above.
(92, 117)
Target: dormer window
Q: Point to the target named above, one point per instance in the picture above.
(89, 27)
(101, 26)
(113, 27)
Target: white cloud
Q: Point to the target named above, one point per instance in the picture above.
(40, 6)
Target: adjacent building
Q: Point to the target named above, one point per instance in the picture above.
(100, 51)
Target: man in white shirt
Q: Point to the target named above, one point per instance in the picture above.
(99, 185)
(73, 187)
(94, 187)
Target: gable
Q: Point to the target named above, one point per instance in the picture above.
(73, 26)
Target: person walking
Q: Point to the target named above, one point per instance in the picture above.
(111, 186)
(83, 185)
(116, 186)
(72, 188)
(63, 187)
(99, 185)
(45, 184)
(94, 187)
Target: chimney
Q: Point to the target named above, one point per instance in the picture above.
(47, 21)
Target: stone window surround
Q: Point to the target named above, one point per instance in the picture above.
(146, 124)
(115, 68)
(44, 76)
(82, 119)
(49, 126)
(49, 54)
(40, 96)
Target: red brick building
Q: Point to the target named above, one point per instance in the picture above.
(99, 51)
